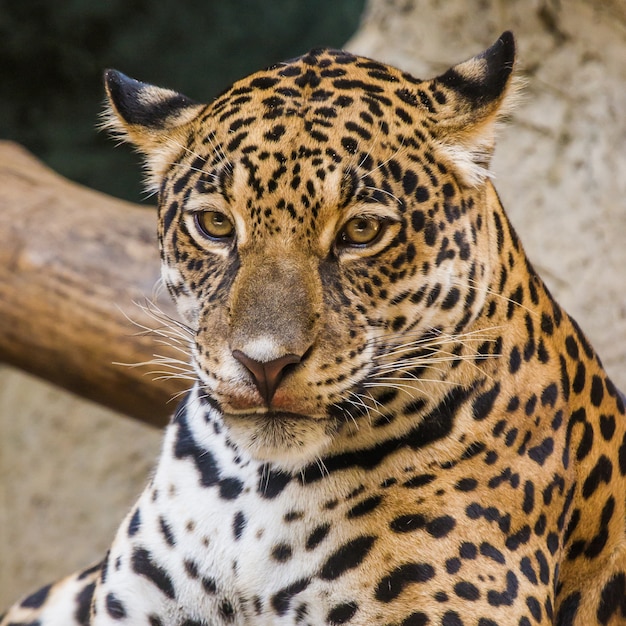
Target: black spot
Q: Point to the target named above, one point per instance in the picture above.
(568, 610)
(419, 481)
(282, 599)
(422, 194)
(114, 607)
(83, 605)
(451, 618)
(541, 452)
(534, 607)
(186, 446)
(416, 619)
(364, 507)
(135, 523)
(235, 142)
(166, 531)
(407, 523)
(272, 482)
(342, 613)
(549, 395)
(483, 404)
(597, 543)
(607, 426)
(552, 542)
(529, 497)
(465, 249)
(515, 360)
(491, 552)
(168, 216)
(36, 600)
(466, 484)
(143, 565)
(466, 590)
(451, 299)
(440, 526)
(506, 597)
(578, 384)
(281, 552)
(547, 325)
(453, 565)
(392, 585)
(263, 82)
(191, 568)
(597, 390)
(316, 536)
(408, 97)
(275, 133)
(544, 569)
(527, 569)
(612, 599)
(622, 456)
(418, 220)
(347, 557)
(602, 472)
(409, 182)
(468, 550)
(239, 524)
(230, 488)
(350, 145)
(475, 510)
(448, 191)
(531, 404)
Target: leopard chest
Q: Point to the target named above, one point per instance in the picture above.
(240, 542)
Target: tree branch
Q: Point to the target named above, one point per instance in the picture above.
(73, 263)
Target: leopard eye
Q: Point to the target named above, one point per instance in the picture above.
(214, 225)
(360, 231)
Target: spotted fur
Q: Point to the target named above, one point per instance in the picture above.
(393, 421)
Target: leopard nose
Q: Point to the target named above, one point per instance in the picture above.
(267, 374)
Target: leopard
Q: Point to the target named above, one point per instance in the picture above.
(392, 421)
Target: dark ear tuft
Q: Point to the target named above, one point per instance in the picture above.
(484, 78)
(140, 104)
(155, 120)
(476, 95)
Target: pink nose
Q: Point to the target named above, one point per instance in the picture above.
(267, 375)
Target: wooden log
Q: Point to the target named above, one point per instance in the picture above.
(73, 265)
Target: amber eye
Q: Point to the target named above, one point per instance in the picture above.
(214, 225)
(360, 231)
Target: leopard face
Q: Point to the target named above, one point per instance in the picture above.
(322, 230)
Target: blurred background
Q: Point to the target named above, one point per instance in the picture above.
(52, 55)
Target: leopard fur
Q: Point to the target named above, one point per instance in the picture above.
(393, 422)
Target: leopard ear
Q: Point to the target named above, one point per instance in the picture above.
(151, 118)
(475, 95)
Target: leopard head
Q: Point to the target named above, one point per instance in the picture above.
(324, 231)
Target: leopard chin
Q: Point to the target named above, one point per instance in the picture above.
(287, 440)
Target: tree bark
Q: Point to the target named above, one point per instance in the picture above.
(73, 265)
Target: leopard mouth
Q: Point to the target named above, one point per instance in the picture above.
(287, 439)
(272, 415)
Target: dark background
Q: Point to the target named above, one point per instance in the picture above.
(52, 55)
